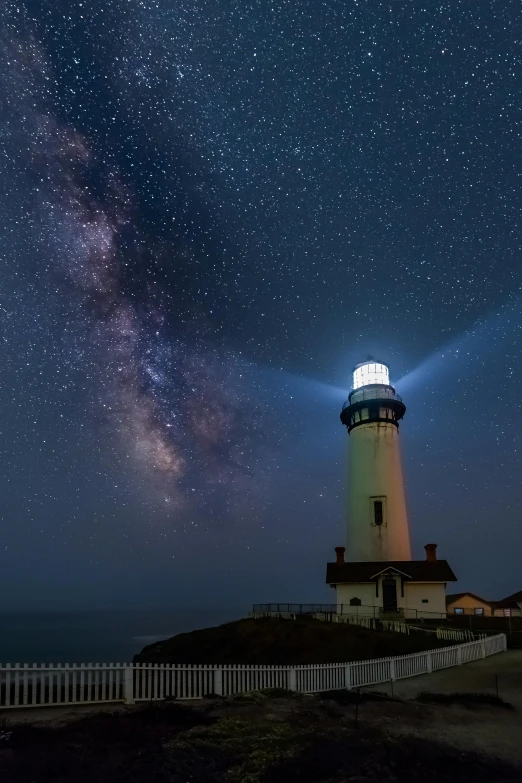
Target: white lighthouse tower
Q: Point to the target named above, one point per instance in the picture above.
(379, 579)
(377, 519)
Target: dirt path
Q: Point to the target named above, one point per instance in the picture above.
(59, 715)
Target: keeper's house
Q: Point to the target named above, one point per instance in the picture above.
(396, 589)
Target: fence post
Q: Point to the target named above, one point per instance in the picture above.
(429, 663)
(292, 680)
(392, 669)
(347, 677)
(483, 648)
(128, 684)
(218, 681)
(459, 655)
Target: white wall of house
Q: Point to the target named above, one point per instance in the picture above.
(411, 602)
(417, 592)
(364, 591)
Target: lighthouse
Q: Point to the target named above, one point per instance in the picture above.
(378, 578)
(377, 524)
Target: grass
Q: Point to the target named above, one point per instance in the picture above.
(464, 699)
(234, 749)
(354, 696)
(259, 696)
(274, 640)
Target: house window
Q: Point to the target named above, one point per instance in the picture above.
(479, 610)
(424, 600)
(458, 610)
(377, 512)
(355, 602)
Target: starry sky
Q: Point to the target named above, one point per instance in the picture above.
(211, 210)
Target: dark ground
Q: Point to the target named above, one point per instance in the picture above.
(268, 737)
(279, 641)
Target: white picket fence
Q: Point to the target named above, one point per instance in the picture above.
(458, 635)
(34, 685)
(351, 619)
(449, 634)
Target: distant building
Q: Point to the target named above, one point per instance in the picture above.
(379, 578)
(469, 603)
(510, 606)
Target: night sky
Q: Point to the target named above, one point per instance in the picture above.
(211, 210)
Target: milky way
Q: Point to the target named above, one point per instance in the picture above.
(179, 403)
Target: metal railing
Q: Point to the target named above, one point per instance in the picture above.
(294, 608)
(33, 685)
(371, 393)
(346, 610)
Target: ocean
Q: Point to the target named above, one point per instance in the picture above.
(96, 636)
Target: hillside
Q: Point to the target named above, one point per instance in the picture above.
(277, 641)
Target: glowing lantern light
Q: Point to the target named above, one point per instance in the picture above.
(369, 373)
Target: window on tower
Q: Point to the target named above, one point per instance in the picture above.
(378, 516)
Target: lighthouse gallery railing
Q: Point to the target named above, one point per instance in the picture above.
(42, 685)
(377, 393)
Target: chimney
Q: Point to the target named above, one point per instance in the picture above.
(339, 553)
(431, 552)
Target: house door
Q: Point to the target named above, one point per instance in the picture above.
(389, 595)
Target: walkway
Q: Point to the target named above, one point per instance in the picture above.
(478, 676)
